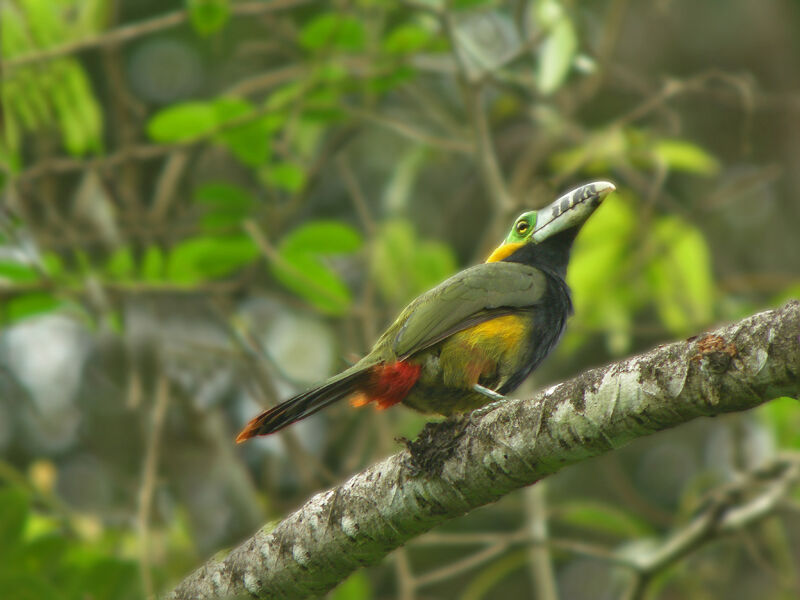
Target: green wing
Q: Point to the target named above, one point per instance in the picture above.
(475, 295)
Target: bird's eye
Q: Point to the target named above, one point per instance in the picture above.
(522, 227)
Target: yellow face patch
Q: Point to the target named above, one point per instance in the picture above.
(504, 251)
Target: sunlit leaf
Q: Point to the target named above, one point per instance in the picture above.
(249, 142)
(181, 122)
(28, 305)
(120, 264)
(286, 176)
(404, 266)
(680, 276)
(783, 417)
(302, 265)
(322, 237)
(52, 264)
(333, 30)
(18, 272)
(558, 50)
(598, 154)
(153, 264)
(355, 587)
(202, 258)
(208, 16)
(680, 155)
(603, 298)
(310, 279)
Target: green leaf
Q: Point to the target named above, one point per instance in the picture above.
(287, 176)
(202, 258)
(285, 95)
(680, 155)
(598, 154)
(333, 30)
(783, 417)
(52, 264)
(225, 205)
(322, 237)
(120, 264)
(86, 108)
(302, 266)
(556, 55)
(406, 39)
(249, 142)
(224, 196)
(602, 518)
(208, 16)
(603, 298)
(304, 275)
(403, 266)
(18, 273)
(29, 305)
(182, 122)
(104, 577)
(355, 587)
(153, 264)
(13, 514)
(680, 276)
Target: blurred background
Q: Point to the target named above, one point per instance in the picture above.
(210, 205)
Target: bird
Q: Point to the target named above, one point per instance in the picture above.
(472, 339)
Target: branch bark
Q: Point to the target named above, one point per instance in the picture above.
(461, 464)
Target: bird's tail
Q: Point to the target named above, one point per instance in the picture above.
(306, 404)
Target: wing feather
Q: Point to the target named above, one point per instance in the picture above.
(475, 295)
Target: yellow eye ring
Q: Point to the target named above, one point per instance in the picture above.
(522, 227)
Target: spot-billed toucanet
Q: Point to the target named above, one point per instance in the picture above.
(474, 337)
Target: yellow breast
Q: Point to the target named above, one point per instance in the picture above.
(498, 336)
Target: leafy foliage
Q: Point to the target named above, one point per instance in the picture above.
(301, 263)
(53, 564)
(302, 162)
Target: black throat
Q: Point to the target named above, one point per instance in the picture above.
(552, 310)
(551, 255)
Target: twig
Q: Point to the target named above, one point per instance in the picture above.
(149, 474)
(730, 511)
(167, 184)
(127, 33)
(356, 194)
(466, 564)
(406, 130)
(406, 583)
(138, 152)
(543, 578)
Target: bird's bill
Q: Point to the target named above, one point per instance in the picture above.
(570, 210)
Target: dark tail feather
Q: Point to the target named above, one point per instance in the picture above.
(303, 405)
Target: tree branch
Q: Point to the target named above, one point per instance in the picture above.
(741, 504)
(461, 464)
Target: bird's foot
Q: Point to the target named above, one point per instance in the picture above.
(498, 400)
